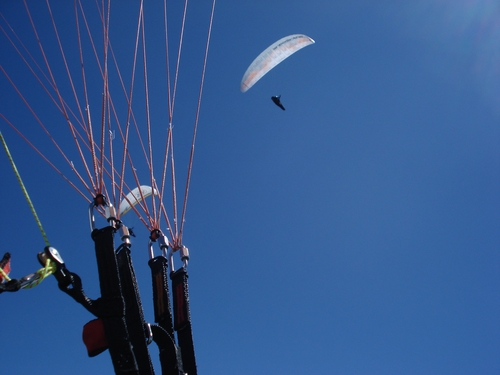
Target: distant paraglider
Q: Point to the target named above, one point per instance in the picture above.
(272, 56)
(277, 101)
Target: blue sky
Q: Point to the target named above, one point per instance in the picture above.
(357, 232)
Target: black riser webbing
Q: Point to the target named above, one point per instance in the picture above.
(182, 319)
(170, 359)
(161, 293)
(112, 305)
(164, 334)
(134, 314)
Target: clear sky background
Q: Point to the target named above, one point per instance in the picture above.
(357, 232)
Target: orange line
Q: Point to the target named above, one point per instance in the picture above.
(191, 156)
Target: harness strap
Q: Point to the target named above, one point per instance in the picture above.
(161, 293)
(182, 319)
(170, 356)
(112, 305)
(134, 314)
(12, 285)
(171, 361)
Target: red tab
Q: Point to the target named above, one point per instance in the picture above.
(94, 337)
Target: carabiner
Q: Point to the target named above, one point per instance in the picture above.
(51, 254)
(149, 334)
(61, 274)
(184, 255)
(156, 234)
(91, 217)
(125, 235)
(101, 200)
(29, 281)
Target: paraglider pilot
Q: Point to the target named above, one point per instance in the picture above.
(277, 101)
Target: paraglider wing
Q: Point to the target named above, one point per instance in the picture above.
(134, 197)
(272, 56)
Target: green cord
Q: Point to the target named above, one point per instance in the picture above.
(41, 274)
(25, 192)
(4, 275)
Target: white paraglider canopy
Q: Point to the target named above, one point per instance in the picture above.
(272, 56)
(134, 197)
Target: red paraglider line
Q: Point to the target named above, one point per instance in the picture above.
(163, 178)
(44, 87)
(169, 146)
(30, 56)
(44, 128)
(57, 90)
(130, 114)
(46, 159)
(88, 128)
(178, 59)
(63, 55)
(174, 192)
(59, 149)
(129, 108)
(105, 97)
(148, 120)
(101, 162)
(37, 77)
(167, 61)
(191, 156)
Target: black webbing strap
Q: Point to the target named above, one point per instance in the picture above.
(182, 319)
(111, 303)
(12, 285)
(161, 294)
(134, 314)
(164, 334)
(170, 357)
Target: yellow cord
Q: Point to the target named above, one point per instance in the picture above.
(50, 266)
(25, 192)
(4, 275)
(42, 273)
